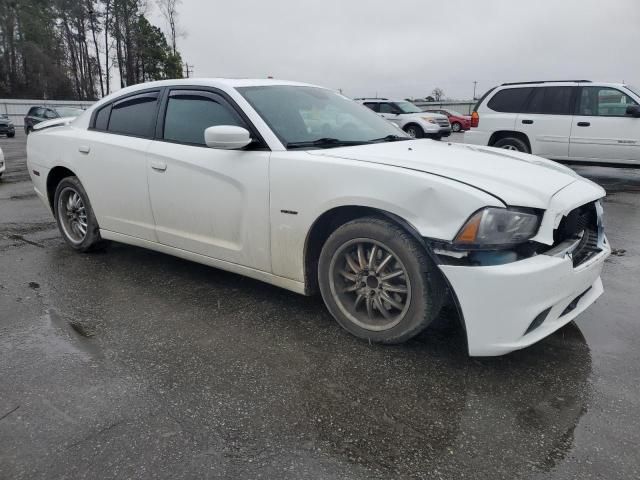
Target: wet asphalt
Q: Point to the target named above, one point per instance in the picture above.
(133, 364)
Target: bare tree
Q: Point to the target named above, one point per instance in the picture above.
(169, 10)
(437, 94)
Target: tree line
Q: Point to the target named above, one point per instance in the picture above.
(81, 49)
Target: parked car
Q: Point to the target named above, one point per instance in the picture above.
(3, 166)
(6, 126)
(459, 121)
(571, 120)
(300, 187)
(410, 118)
(36, 115)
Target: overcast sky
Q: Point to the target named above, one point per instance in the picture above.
(405, 48)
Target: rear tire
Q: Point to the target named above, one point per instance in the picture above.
(456, 126)
(74, 216)
(388, 299)
(414, 131)
(512, 143)
(11, 135)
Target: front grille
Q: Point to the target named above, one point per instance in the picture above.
(443, 122)
(581, 224)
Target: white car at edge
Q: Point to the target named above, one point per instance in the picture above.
(300, 187)
(3, 165)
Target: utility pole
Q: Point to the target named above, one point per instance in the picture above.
(474, 89)
(188, 70)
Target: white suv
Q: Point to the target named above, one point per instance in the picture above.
(571, 120)
(410, 118)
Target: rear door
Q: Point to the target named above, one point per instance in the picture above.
(602, 130)
(547, 121)
(502, 109)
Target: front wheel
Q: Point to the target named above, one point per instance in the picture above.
(74, 216)
(414, 131)
(378, 282)
(11, 135)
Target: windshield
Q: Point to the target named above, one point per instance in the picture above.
(68, 111)
(634, 89)
(408, 107)
(317, 118)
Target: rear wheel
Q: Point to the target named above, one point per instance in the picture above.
(414, 131)
(11, 135)
(74, 216)
(512, 143)
(378, 282)
(456, 126)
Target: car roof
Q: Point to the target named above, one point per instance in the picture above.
(557, 83)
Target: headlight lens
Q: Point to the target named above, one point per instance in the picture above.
(497, 228)
(430, 120)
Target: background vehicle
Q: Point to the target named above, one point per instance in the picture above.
(410, 118)
(298, 186)
(6, 126)
(570, 120)
(3, 166)
(36, 115)
(458, 121)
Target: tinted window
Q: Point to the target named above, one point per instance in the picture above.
(509, 100)
(386, 108)
(188, 115)
(135, 115)
(102, 118)
(604, 102)
(551, 101)
(48, 113)
(373, 106)
(37, 112)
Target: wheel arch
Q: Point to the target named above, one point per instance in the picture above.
(412, 124)
(55, 176)
(332, 219)
(500, 134)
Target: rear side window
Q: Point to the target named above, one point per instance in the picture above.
(134, 115)
(373, 106)
(551, 101)
(190, 114)
(102, 118)
(510, 100)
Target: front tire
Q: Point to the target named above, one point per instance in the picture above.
(11, 135)
(74, 216)
(378, 282)
(414, 131)
(512, 143)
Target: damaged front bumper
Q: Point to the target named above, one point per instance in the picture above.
(512, 299)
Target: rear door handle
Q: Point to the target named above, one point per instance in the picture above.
(84, 149)
(159, 166)
(527, 122)
(583, 124)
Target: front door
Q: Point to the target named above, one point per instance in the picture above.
(208, 201)
(602, 131)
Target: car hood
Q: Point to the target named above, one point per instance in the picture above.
(517, 179)
(423, 115)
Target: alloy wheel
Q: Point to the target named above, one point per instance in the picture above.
(370, 284)
(72, 215)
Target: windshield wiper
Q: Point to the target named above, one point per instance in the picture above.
(325, 142)
(390, 138)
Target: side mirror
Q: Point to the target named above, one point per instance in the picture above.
(227, 137)
(634, 111)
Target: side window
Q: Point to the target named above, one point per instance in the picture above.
(386, 108)
(604, 102)
(373, 106)
(551, 101)
(190, 114)
(38, 112)
(134, 115)
(48, 114)
(102, 118)
(509, 100)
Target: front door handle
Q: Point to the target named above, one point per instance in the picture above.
(159, 166)
(583, 124)
(84, 149)
(527, 122)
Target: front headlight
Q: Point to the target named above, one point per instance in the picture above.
(494, 227)
(430, 120)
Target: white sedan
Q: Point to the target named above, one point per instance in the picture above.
(300, 187)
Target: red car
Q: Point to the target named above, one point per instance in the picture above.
(458, 121)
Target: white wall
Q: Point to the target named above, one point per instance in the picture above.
(18, 108)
